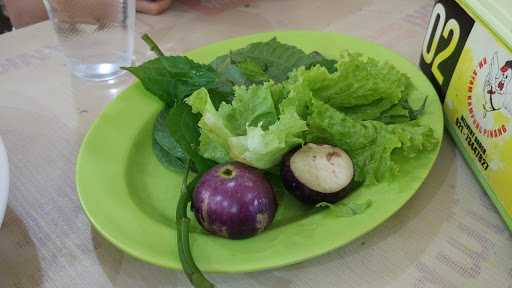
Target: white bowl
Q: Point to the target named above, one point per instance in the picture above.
(4, 180)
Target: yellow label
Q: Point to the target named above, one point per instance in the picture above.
(478, 104)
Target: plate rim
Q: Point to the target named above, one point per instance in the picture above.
(4, 180)
(141, 256)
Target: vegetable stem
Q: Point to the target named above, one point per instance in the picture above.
(152, 45)
(193, 273)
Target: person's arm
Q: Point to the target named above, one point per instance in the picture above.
(153, 7)
(25, 12)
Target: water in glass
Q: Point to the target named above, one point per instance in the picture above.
(96, 35)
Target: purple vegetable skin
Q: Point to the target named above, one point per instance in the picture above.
(318, 173)
(234, 201)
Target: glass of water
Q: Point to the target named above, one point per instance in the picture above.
(96, 35)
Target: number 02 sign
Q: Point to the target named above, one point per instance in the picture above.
(446, 35)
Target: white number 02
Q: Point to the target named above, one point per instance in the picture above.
(445, 28)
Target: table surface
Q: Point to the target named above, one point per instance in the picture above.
(447, 235)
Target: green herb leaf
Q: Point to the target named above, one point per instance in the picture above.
(253, 72)
(172, 78)
(275, 59)
(165, 148)
(228, 73)
(182, 124)
(168, 160)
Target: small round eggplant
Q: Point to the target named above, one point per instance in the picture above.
(234, 201)
(318, 173)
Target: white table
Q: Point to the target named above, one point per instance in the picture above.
(448, 235)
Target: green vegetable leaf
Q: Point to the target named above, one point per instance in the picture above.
(251, 106)
(264, 149)
(298, 98)
(320, 60)
(228, 74)
(182, 124)
(212, 123)
(171, 78)
(210, 149)
(362, 88)
(248, 129)
(414, 137)
(275, 59)
(402, 111)
(328, 125)
(253, 71)
(167, 151)
(168, 160)
(369, 143)
(413, 113)
(395, 114)
(346, 209)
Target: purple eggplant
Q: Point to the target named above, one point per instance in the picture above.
(318, 173)
(234, 201)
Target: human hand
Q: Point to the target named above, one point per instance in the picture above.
(153, 7)
(101, 11)
(96, 12)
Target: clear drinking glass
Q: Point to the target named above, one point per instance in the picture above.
(96, 35)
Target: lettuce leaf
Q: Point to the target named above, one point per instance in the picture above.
(251, 106)
(298, 98)
(210, 149)
(369, 143)
(414, 137)
(362, 88)
(264, 149)
(249, 129)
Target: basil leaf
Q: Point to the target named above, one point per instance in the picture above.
(168, 160)
(228, 73)
(166, 150)
(253, 71)
(172, 78)
(182, 125)
(278, 59)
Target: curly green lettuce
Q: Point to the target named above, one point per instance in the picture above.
(363, 88)
(249, 129)
(370, 143)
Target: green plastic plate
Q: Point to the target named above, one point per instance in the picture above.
(131, 198)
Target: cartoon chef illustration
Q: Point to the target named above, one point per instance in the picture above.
(497, 92)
